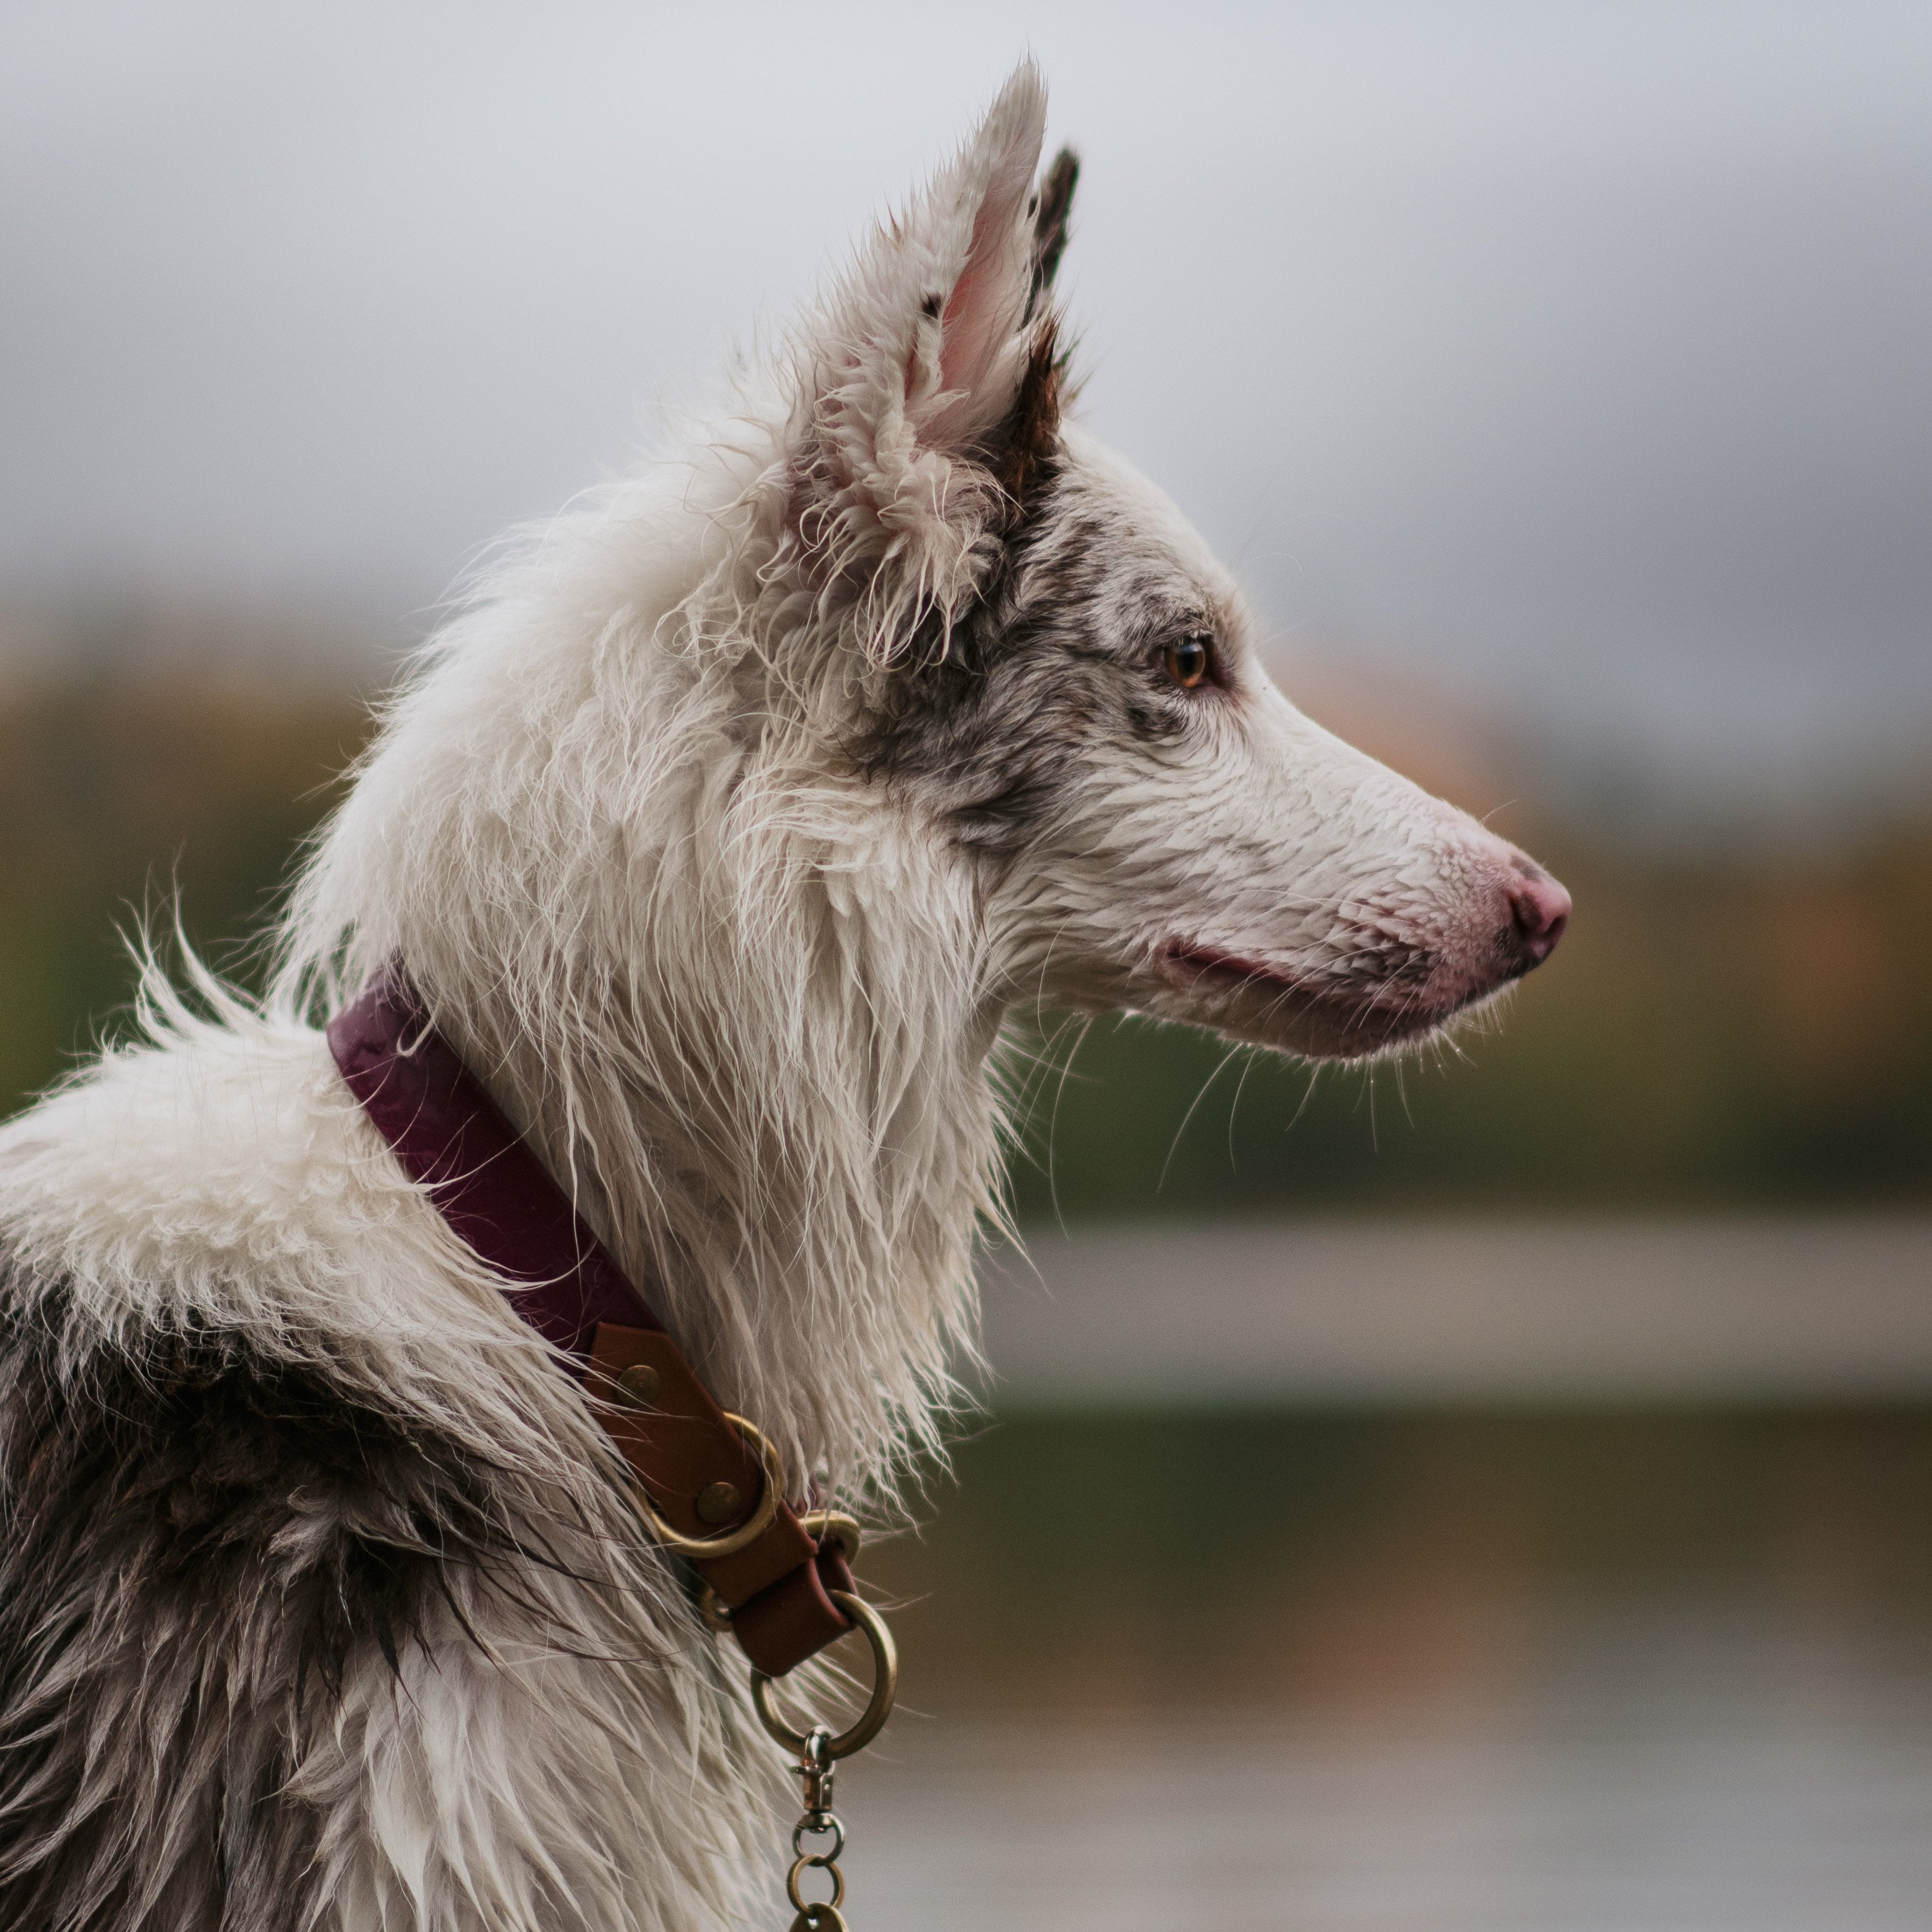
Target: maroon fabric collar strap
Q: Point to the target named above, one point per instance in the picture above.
(490, 1186)
(454, 1139)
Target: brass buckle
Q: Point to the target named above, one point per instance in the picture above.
(885, 1687)
(728, 1543)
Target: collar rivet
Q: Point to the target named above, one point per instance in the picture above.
(639, 1385)
(719, 1503)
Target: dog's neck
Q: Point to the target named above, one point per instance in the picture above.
(804, 1224)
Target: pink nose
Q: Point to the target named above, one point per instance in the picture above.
(1541, 909)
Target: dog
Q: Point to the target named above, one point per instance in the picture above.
(720, 829)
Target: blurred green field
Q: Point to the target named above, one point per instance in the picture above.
(115, 791)
(1384, 1558)
(1715, 1032)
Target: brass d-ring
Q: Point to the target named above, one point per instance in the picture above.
(885, 1686)
(709, 1548)
(821, 1525)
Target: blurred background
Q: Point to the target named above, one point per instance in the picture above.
(1492, 1492)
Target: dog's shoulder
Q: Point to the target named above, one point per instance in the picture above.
(219, 1176)
(280, 1485)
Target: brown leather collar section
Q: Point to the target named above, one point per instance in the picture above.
(451, 1138)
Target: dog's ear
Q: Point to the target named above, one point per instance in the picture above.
(933, 373)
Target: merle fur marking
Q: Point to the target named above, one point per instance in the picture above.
(196, 1541)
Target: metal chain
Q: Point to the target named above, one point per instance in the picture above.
(815, 1768)
(818, 1751)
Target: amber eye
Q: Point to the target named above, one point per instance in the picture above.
(1189, 661)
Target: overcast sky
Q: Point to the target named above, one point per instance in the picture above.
(1574, 358)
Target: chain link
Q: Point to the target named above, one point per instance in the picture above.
(816, 1769)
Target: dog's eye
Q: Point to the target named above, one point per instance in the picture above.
(1189, 660)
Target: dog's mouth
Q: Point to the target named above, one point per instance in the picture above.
(1317, 1014)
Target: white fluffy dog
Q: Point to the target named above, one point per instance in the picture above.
(720, 831)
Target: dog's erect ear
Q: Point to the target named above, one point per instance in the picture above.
(933, 374)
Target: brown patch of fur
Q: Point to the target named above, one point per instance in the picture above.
(1030, 437)
(1052, 205)
(1031, 434)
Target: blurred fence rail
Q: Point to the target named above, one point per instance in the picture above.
(1825, 1309)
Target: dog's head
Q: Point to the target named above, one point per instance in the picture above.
(1045, 662)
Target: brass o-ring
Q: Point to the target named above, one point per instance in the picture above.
(799, 1867)
(709, 1548)
(885, 1686)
